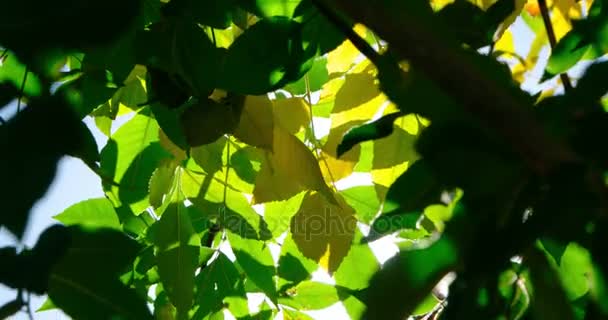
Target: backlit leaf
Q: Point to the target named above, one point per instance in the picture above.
(177, 256)
(256, 123)
(309, 295)
(130, 158)
(324, 231)
(292, 114)
(282, 176)
(93, 213)
(255, 259)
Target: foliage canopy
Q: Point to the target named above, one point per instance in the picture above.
(235, 130)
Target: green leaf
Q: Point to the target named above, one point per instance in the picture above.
(293, 267)
(364, 200)
(196, 58)
(130, 158)
(568, 51)
(246, 163)
(255, 259)
(387, 224)
(278, 213)
(169, 122)
(317, 77)
(295, 315)
(215, 282)
(427, 305)
(358, 266)
(161, 182)
(206, 121)
(310, 295)
(177, 256)
(378, 129)
(574, 270)
(13, 71)
(270, 8)
(234, 214)
(257, 63)
(419, 269)
(94, 213)
(214, 13)
(318, 32)
(210, 156)
(85, 283)
(591, 85)
(549, 299)
(118, 57)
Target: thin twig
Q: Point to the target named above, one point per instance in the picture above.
(21, 90)
(4, 53)
(28, 306)
(314, 138)
(544, 10)
(227, 171)
(350, 34)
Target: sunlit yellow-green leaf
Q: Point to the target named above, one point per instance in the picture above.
(324, 231)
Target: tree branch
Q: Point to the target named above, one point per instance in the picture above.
(544, 11)
(418, 37)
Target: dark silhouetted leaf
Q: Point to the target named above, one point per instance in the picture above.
(378, 129)
(85, 283)
(263, 58)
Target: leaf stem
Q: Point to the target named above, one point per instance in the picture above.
(227, 172)
(314, 138)
(21, 90)
(544, 11)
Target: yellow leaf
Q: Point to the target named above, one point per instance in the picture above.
(561, 26)
(329, 90)
(334, 168)
(410, 123)
(358, 88)
(395, 149)
(256, 124)
(272, 185)
(324, 231)
(291, 114)
(358, 99)
(289, 169)
(344, 56)
(439, 4)
(505, 43)
(519, 5)
(392, 156)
